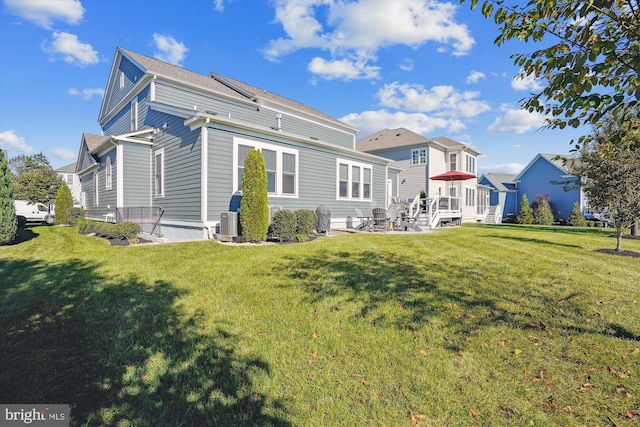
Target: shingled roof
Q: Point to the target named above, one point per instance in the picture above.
(400, 137)
(225, 86)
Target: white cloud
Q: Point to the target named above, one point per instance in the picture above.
(406, 65)
(10, 141)
(344, 69)
(360, 28)
(440, 100)
(44, 12)
(503, 168)
(528, 83)
(86, 94)
(72, 50)
(369, 122)
(168, 49)
(218, 5)
(475, 76)
(517, 121)
(64, 153)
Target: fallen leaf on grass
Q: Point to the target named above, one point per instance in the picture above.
(632, 414)
(423, 352)
(567, 409)
(415, 417)
(472, 413)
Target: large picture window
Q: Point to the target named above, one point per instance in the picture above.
(281, 165)
(353, 180)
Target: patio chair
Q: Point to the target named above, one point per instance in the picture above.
(365, 221)
(380, 219)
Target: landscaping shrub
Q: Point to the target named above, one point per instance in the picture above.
(8, 221)
(254, 208)
(122, 230)
(283, 225)
(306, 221)
(75, 214)
(542, 214)
(576, 218)
(526, 213)
(64, 203)
(128, 230)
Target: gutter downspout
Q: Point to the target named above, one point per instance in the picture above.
(204, 174)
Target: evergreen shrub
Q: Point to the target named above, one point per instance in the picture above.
(306, 221)
(576, 218)
(283, 225)
(64, 203)
(254, 207)
(526, 213)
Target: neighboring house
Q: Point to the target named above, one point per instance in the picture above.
(503, 194)
(546, 175)
(419, 158)
(72, 180)
(174, 144)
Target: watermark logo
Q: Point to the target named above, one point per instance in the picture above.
(36, 415)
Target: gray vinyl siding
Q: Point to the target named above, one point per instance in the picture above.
(109, 197)
(182, 151)
(86, 183)
(137, 175)
(131, 75)
(170, 95)
(87, 159)
(317, 178)
(121, 122)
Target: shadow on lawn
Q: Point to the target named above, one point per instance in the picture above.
(119, 352)
(461, 296)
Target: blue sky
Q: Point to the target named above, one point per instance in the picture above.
(428, 66)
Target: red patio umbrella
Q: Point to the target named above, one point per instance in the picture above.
(453, 176)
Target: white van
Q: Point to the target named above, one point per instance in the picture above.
(34, 212)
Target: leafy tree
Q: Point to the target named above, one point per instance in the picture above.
(254, 207)
(8, 220)
(23, 163)
(590, 59)
(576, 218)
(542, 214)
(64, 203)
(37, 181)
(611, 177)
(526, 213)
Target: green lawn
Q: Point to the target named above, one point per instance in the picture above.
(478, 325)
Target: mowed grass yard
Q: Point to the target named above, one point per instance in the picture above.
(477, 325)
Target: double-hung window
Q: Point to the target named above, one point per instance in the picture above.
(158, 173)
(471, 164)
(471, 197)
(281, 164)
(418, 156)
(134, 114)
(353, 180)
(453, 162)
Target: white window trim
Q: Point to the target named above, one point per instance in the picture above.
(159, 152)
(134, 114)
(108, 173)
(350, 165)
(96, 189)
(279, 173)
(424, 160)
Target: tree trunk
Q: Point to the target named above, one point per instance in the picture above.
(634, 229)
(619, 241)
